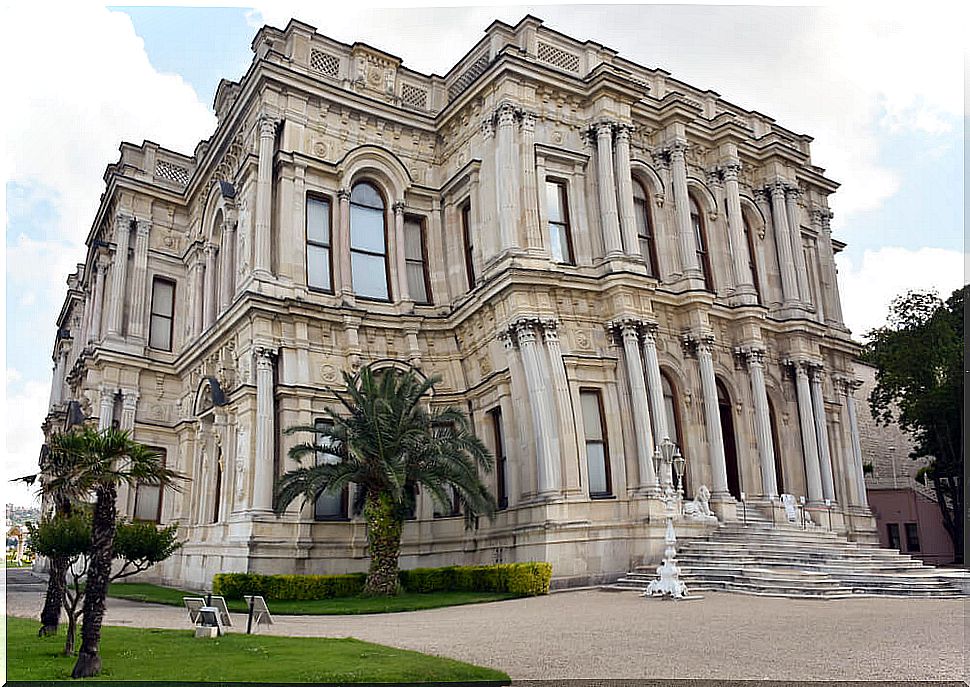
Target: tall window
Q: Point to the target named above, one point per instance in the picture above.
(892, 531)
(466, 237)
(162, 314)
(700, 238)
(779, 463)
(560, 241)
(752, 265)
(501, 487)
(328, 505)
(912, 537)
(368, 243)
(217, 501)
(319, 266)
(597, 448)
(645, 232)
(416, 260)
(672, 417)
(148, 497)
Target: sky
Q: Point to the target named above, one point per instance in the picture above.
(881, 92)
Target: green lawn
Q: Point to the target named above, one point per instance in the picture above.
(151, 593)
(144, 655)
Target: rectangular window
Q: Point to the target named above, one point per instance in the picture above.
(466, 234)
(162, 314)
(597, 448)
(912, 537)
(416, 260)
(892, 529)
(148, 498)
(501, 486)
(319, 272)
(328, 505)
(557, 207)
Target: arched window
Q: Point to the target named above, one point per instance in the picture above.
(672, 417)
(749, 243)
(726, 412)
(368, 243)
(645, 231)
(700, 238)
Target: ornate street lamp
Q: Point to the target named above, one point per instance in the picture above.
(668, 574)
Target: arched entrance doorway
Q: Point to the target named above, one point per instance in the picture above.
(776, 444)
(725, 411)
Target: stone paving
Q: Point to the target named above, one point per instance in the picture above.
(595, 634)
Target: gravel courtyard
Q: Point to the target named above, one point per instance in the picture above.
(594, 634)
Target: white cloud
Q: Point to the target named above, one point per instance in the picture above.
(885, 273)
(26, 406)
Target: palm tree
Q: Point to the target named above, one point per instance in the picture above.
(98, 462)
(387, 443)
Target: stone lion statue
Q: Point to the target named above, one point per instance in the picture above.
(700, 507)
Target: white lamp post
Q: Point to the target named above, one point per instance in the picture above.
(668, 583)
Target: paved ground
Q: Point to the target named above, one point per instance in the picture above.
(593, 634)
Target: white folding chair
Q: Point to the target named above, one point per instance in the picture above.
(192, 605)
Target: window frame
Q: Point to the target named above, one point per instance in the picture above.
(344, 493)
(642, 207)
(465, 212)
(893, 536)
(318, 197)
(421, 221)
(501, 458)
(566, 224)
(163, 454)
(156, 279)
(607, 468)
(911, 532)
(350, 243)
(703, 249)
(752, 263)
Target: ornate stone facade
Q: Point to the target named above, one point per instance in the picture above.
(591, 255)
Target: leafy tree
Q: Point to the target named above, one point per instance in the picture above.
(385, 441)
(138, 545)
(99, 461)
(918, 358)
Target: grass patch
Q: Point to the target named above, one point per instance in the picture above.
(146, 655)
(351, 605)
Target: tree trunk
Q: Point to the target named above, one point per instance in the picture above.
(50, 616)
(384, 526)
(96, 588)
(71, 634)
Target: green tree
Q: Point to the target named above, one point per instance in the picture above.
(137, 545)
(384, 440)
(99, 462)
(918, 356)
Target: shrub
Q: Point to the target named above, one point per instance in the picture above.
(522, 579)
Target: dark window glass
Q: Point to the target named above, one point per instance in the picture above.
(416, 260)
(645, 232)
(749, 240)
(368, 245)
(892, 529)
(597, 447)
(557, 205)
(700, 237)
(318, 245)
(148, 497)
(501, 486)
(162, 314)
(912, 537)
(466, 233)
(328, 505)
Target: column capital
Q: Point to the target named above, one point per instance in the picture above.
(267, 125)
(661, 157)
(506, 113)
(264, 355)
(623, 131)
(677, 149)
(822, 218)
(603, 128)
(752, 356)
(624, 327)
(528, 120)
(649, 329)
(123, 220)
(715, 176)
(129, 398)
(697, 343)
(845, 386)
(142, 226)
(398, 207)
(488, 127)
(343, 193)
(508, 339)
(550, 329)
(730, 169)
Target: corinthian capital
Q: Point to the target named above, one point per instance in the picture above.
(267, 125)
(698, 343)
(677, 149)
(506, 114)
(528, 121)
(398, 207)
(623, 131)
(731, 170)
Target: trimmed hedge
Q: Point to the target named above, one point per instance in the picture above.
(523, 579)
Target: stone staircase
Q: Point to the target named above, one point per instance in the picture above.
(784, 560)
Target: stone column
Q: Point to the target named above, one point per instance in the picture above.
(806, 420)
(685, 230)
(606, 183)
(822, 219)
(488, 198)
(505, 152)
(779, 218)
(139, 283)
(263, 477)
(129, 404)
(209, 287)
(57, 379)
(743, 280)
(107, 407)
(847, 388)
(196, 295)
(762, 422)
(119, 273)
(227, 267)
(654, 384)
(567, 452)
(628, 332)
(624, 188)
(401, 287)
(542, 413)
(530, 192)
(97, 303)
(704, 347)
(822, 434)
(346, 282)
(262, 267)
(795, 227)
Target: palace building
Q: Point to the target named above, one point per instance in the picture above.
(591, 254)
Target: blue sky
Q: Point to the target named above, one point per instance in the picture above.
(882, 96)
